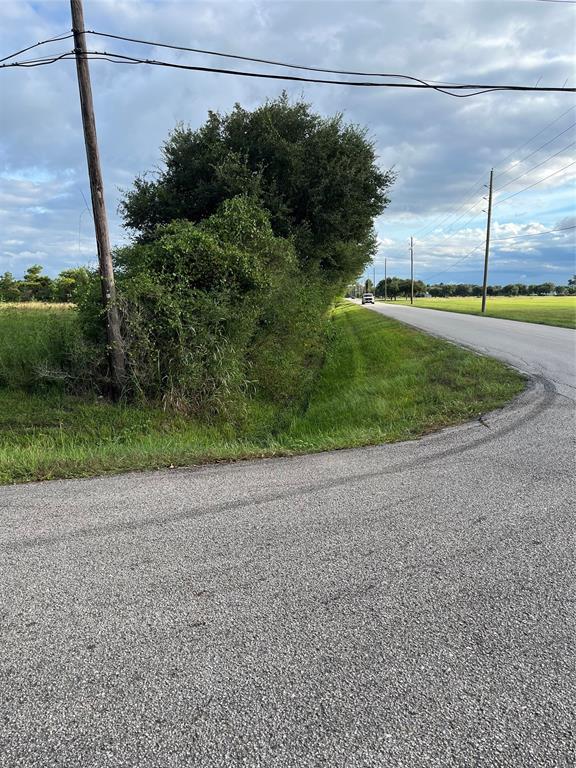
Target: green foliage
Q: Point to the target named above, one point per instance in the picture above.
(38, 287)
(254, 224)
(381, 381)
(70, 283)
(9, 289)
(317, 178)
(215, 312)
(35, 286)
(288, 346)
(392, 289)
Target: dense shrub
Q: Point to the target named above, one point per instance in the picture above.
(241, 242)
(214, 312)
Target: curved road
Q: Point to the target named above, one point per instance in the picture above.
(404, 605)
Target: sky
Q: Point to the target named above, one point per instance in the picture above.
(441, 148)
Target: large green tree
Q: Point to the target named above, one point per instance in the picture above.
(317, 177)
(35, 286)
(9, 290)
(69, 282)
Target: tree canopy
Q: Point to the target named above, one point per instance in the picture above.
(317, 177)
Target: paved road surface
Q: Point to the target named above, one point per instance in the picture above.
(406, 605)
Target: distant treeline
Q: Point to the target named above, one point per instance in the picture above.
(36, 286)
(399, 286)
(512, 289)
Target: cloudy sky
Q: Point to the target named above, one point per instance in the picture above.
(441, 147)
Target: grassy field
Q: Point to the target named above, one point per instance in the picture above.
(34, 338)
(547, 310)
(381, 382)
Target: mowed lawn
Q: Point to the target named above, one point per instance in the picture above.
(547, 310)
(381, 382)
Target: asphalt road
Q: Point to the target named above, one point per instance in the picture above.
(405, 605)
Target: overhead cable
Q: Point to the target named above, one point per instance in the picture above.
(427, 228)
(532, 168)
(276, 63)
(63, 36)
(526, 157)
(527, 235)
(533, 234)
(535, 136)
(468, 255)
(417, 83)
(535, 183)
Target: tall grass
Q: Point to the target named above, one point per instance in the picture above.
(36, 342)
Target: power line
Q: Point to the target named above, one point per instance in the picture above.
(468, 255)
(550, 157)
(540, 132)
(512, 237)
(40, 62)
(504, 173)
(427, 228)
(418, 83)
(468, 220)
(63, 36)
(473, 251)
(442, 219)
(273, 62)
(117, 58)
(254, 60)
(534, 234)
(462, 226)
(536, 182)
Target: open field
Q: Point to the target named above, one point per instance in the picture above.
(547, 310)
(381, 382)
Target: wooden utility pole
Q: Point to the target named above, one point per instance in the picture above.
(487, 251)
(385, 282)
(115, 347)
(411, 270)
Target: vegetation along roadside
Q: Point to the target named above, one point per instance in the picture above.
(380, 382)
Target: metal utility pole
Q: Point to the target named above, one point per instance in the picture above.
(487, 251)
(115, 347)
(385, 282)
(411, 270)
(374, 277)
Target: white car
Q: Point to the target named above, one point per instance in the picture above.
(367, 298)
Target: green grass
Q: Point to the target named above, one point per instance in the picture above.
(546, 310)
(34, 338)
(381, 382)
